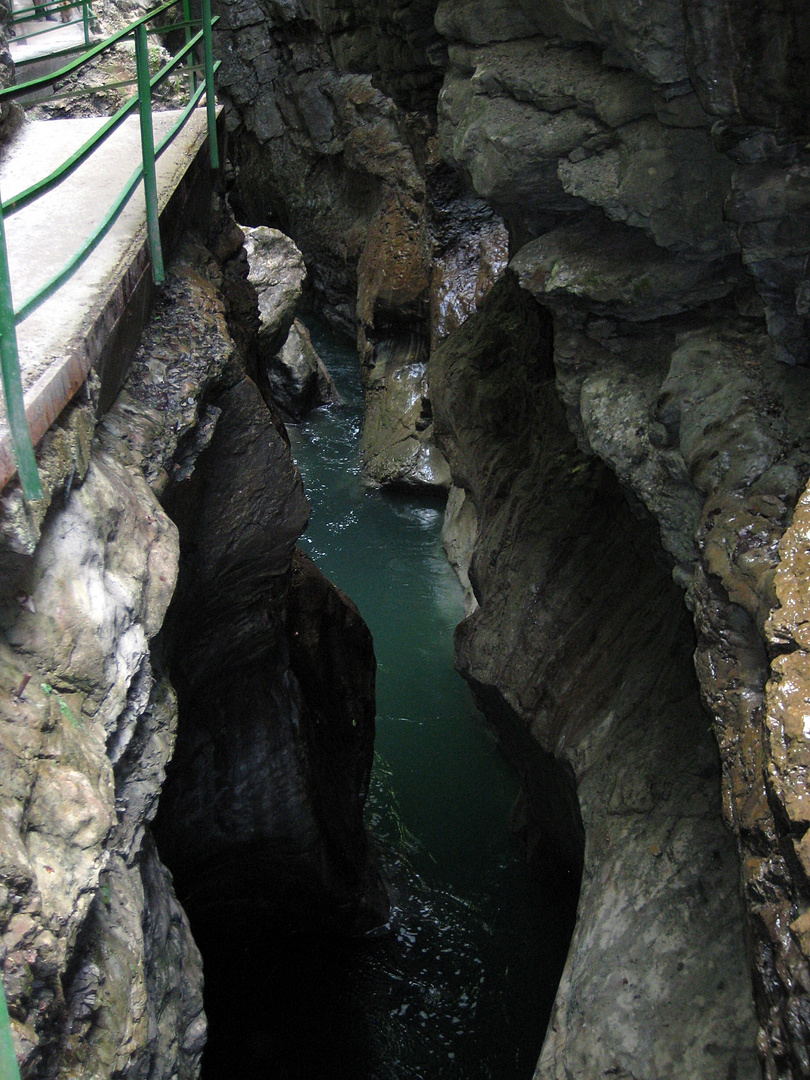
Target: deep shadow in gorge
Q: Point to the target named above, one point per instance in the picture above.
(611, 656)
(453, 986)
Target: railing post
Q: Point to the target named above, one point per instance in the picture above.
(192, 78)
(86, 22)
(148, 152)
(9, 1069)
(12, 387)
(210, 98)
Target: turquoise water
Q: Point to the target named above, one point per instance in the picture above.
(384, 550)
(463, 985)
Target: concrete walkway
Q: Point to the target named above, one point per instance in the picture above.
(30, 43)
(41, 238)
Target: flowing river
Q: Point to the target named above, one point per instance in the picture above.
(462, 987)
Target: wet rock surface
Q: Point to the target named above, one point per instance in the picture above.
(644, 167)
(297, 377)
(88, 739)
(100, 970)
(288, 370)
(674, 330)
(99, 967)
(335, 143)
(580, 652)
(244, 803)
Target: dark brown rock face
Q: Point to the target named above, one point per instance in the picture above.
(332, 656)
(750, 62)
(650, 163)
(264, 797)
(580, 653)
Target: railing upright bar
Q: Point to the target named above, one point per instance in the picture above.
(210, 97)
(86, 21)
(10, 92)
(192, 74)
(148, 152)
(12, 388)
(98, 234)
(9, 1068)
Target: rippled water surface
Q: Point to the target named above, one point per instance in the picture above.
(463, 986)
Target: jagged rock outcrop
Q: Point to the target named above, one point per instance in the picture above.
(288, 370)
(100, 970)
(651, 194)
(649, 163)
(247, 801)
(580, 653)
(298, 379)
(276, 271)
(87, 739)
(346, 164)
(99, 967)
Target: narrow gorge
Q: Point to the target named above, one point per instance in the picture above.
(570, 241)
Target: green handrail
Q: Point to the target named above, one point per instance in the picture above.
(35, 12)
(20, 90)
(148, 153)
(9, 317)
(192, 74)
(75, 160)
(210, 101)
(47, 290)
(12, 384)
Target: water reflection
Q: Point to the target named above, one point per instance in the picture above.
(462, 988)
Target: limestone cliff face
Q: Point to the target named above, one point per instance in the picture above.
(580, 654)
(649, 162)
(101, 974)
(660, 208)
(333, 127)
(99, 967)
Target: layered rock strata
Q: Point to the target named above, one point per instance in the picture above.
(658, 207)
(648, 163)
(346, 163)
(580, 654)
(100, 971)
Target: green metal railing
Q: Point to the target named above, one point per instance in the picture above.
(10, 316)
(54, 11)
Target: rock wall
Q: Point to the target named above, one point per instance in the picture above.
(263, 802)
(580, 654)
(330, 107)
(651, 198)
(101, 975)
(648, 163)
(100, 971)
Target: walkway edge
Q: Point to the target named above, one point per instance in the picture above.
(107, 337)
